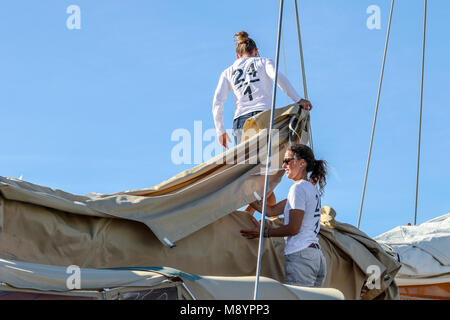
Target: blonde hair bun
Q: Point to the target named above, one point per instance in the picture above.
(241, 36)
(244, 44)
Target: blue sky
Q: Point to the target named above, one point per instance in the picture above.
(93, 110)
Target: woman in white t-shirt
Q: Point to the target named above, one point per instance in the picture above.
(305, 263)
(250, 79)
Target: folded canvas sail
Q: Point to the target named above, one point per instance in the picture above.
(190, 222)
(192, 199)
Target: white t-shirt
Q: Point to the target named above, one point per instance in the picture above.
(304, 196)
(250, 80)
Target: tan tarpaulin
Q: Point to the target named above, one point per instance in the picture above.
(43, 235)
(48, 226)
(352, 256)
(30, 277)
(192, 199)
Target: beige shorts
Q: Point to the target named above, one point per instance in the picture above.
(306, 268)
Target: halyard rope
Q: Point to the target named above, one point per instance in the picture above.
(376, 112)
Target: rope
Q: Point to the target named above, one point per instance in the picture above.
(269, 152)
(283, 50)
(376, 113)
(421, 104)
(302, 62)
(305, 88)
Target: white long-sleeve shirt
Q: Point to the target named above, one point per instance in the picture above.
(250, 80)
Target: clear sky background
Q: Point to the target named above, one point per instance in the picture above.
(93, 110)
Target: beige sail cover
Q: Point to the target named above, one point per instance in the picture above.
(192, 199)
(195, 210)
(111, 284)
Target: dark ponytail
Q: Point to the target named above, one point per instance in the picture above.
(318, 168)
(319, 174)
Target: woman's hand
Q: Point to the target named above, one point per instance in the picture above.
(256, 205)
(223, 138)
(305, 104)
(252, 233)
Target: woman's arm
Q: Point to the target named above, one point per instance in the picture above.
(220, 96)
(283, 82)
(272, 211)
(291, 229)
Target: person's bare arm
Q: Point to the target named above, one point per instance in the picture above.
(272, 211)
(291, 229)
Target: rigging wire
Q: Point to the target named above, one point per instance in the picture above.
(376, 112)
(302, 62)
(421, 105)
(269, 153)
(283, 50)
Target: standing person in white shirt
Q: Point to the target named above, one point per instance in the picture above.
(305, 263)
(250, 79)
